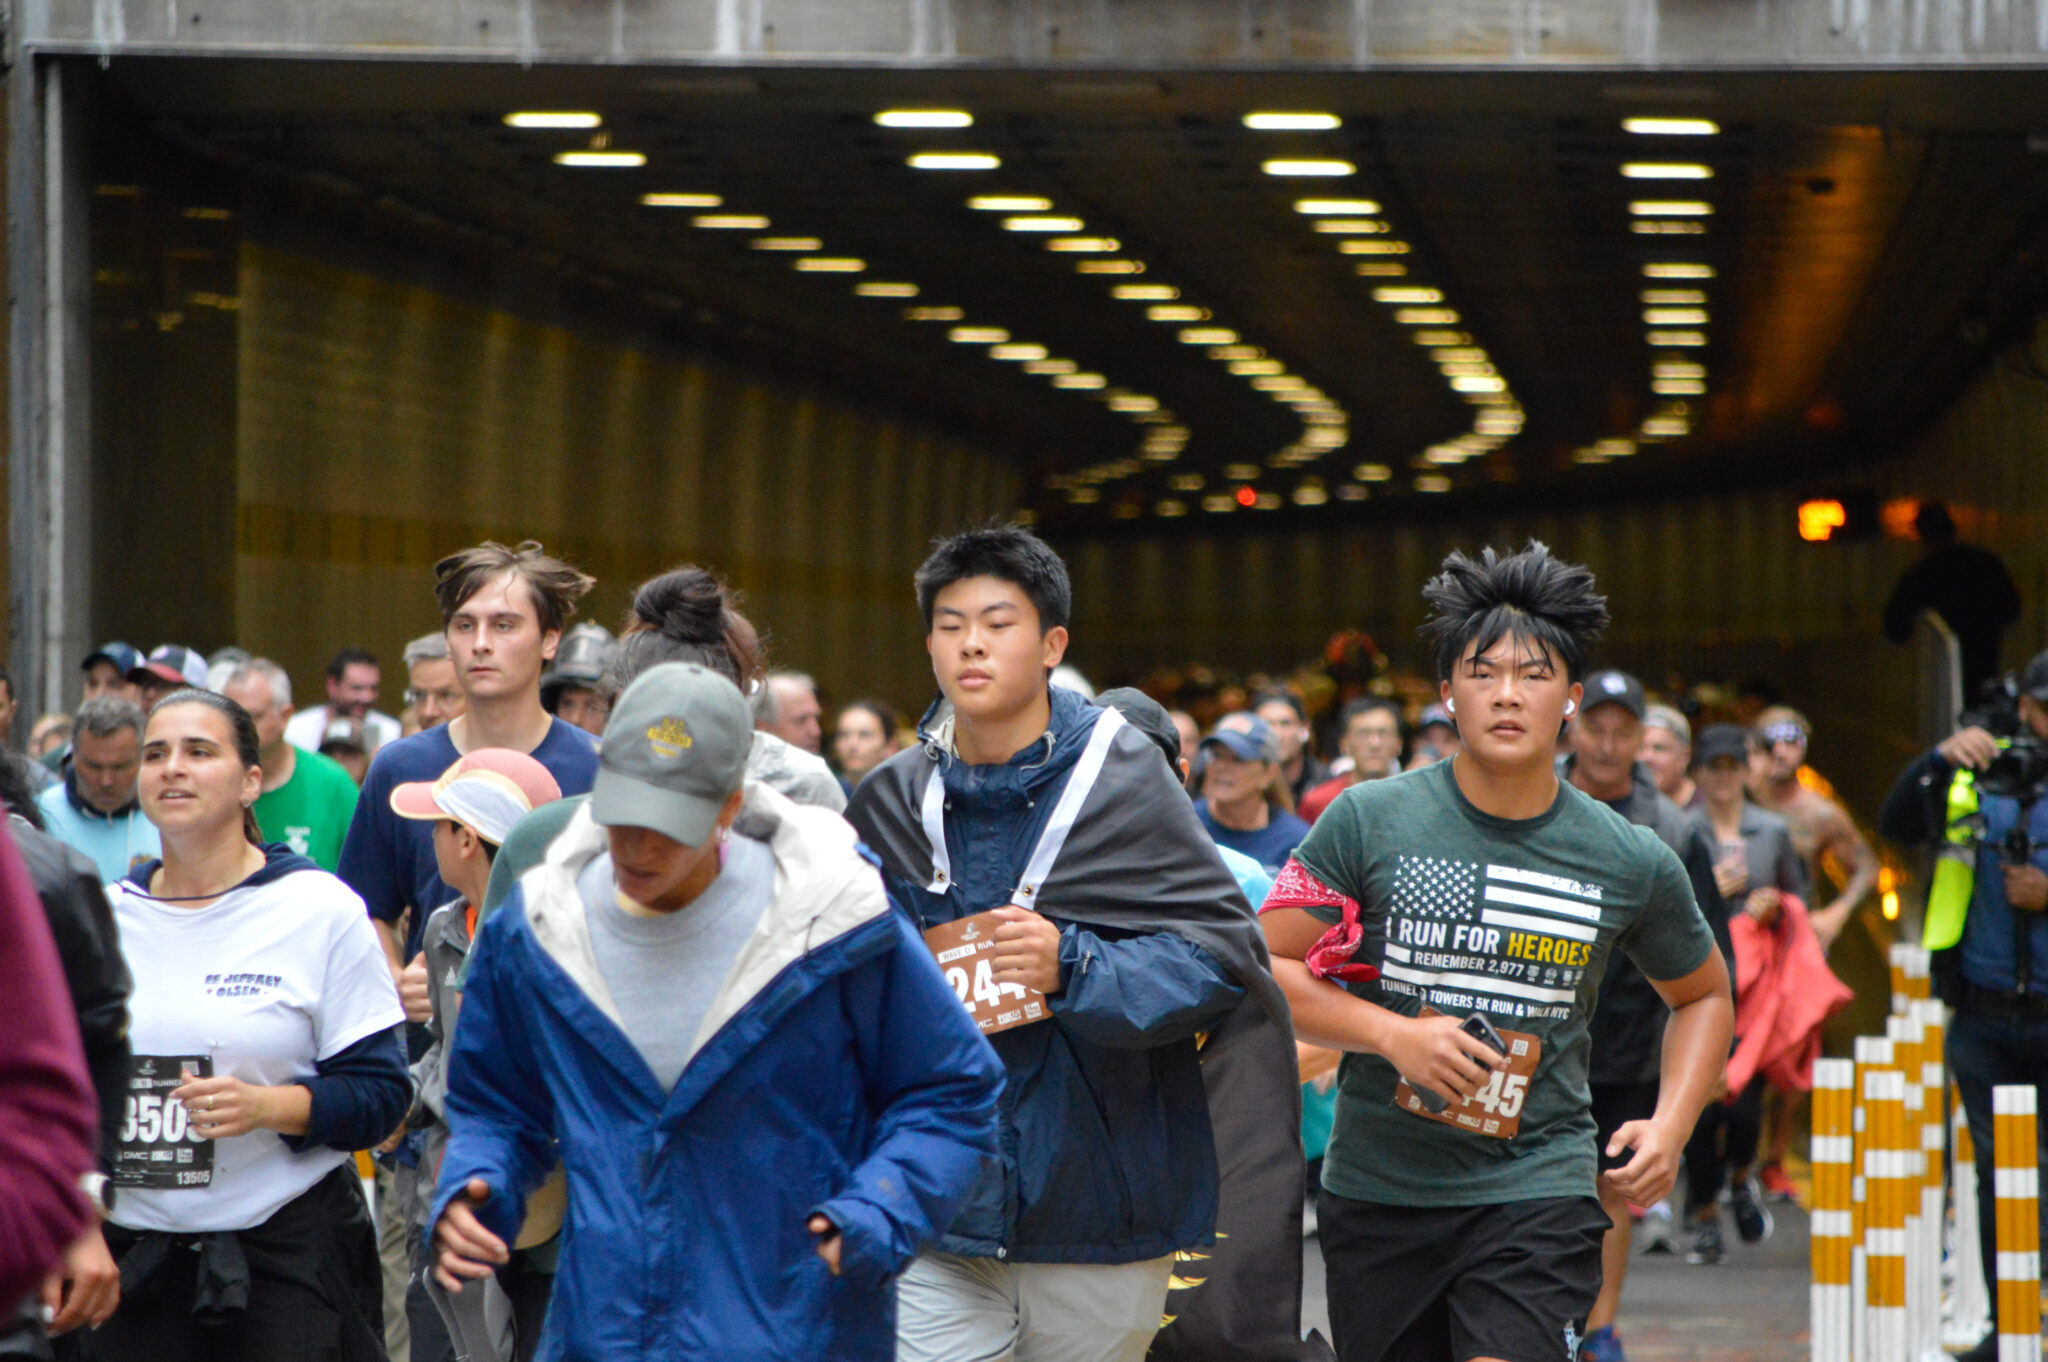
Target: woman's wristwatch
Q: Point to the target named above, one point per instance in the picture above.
(99, 1190)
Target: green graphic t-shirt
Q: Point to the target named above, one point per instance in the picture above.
(310, 812)
(1513, 918)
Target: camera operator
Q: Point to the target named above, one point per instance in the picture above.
(1977, 798)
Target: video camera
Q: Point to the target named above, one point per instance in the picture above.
(2020, 771)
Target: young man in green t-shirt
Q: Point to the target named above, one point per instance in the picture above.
(1484, 886)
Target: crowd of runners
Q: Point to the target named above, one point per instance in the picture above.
(682, 1015)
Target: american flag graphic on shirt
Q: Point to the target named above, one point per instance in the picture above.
(1462, 935)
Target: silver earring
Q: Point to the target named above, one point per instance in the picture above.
(1450, 706)
(1571, 707)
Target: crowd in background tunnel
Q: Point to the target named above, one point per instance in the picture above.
(703, 1038)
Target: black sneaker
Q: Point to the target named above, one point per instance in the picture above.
(1984, 1350)
(1707, 1248)
(1752, 1220)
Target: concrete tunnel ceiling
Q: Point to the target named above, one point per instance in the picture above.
(1501, 294)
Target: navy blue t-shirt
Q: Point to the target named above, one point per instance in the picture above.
(390, 860)
(1270, 846)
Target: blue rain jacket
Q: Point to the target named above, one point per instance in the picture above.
(835, 1073)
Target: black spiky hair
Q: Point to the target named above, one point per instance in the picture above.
(1528, 596)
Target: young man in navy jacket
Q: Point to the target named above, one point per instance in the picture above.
(1107, 1161)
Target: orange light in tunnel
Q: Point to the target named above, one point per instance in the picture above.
(1897, 517)
(1888, 892)
(1818, 520)
(1247, 496)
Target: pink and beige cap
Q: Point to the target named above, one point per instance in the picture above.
(488, 792)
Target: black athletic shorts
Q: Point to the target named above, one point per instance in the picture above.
(1451, 1283)
(1614, 1106)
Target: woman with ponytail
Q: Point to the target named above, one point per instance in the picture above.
(262, 1026)
(683, 615)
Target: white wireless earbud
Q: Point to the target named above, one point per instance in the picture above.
(1450, 706)
(1571, 707)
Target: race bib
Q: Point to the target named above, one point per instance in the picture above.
(1496, 1109)
(963, 950)
(158, 1146)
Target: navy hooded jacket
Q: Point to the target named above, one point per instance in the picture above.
(1106, 1150)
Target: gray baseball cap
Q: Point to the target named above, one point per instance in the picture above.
(674, 750)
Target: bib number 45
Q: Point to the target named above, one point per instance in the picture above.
(1503, 1095)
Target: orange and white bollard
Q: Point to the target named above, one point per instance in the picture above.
(2017, 1174)
(1833, 1220)
(1933, 1018)
(1888, 1176)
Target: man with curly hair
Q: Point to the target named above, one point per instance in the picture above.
(1474, 900)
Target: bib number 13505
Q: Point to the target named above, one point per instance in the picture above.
(158, 1146)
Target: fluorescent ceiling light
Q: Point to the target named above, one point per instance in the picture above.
(1671, 127)
(954, 160)
(1080, 381)
(1336, 207)
(877, 289)
(1085, 245)
(1667, 227)
(1380, 269)
(601, 160)
(1372, 472)
(1426, 316)
(556, 119)
(1310, 168)
(1674, 297)
(1217, 502)
(1176, 312)
(977, 335)
(925, 118)
(1671, 208)
(1245, 368)
(1110, 267)
(1678, 370)
(1292, 122)
(1677, 338)
(1372, 248)
(1042, 223)
(1677, 270)
(1208, 335)
(1229, 352)
(1665, 427)
(1675, 316)
(1279, 383)
(1432, 483)
(932, 314)
(1436, 338)
(681, 200)
(830, 264)
(1050, 366)
(1678, 387)
(1138, 293)
(1167, 508)
(1458, 354)
(1479, 385)
(1465, 369)
(730, 222)
(1666, 170)
(1133, 402)
(787, 243)
(1017, 352)
(1351, 227)
(1009, 203)
(1407, 294)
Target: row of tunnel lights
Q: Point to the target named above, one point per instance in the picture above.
(1673, 315)
(1165, 438)
(1674, 297)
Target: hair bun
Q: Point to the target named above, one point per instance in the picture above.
(686, 605)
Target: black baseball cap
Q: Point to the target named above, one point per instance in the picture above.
(1146, 715)
(2034, 677)
(1720, 740)
(1612, 687)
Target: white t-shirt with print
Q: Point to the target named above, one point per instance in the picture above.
(267, 979)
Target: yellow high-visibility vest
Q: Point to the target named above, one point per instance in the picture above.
(1955, 865)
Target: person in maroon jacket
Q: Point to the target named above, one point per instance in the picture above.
(48, 1115)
